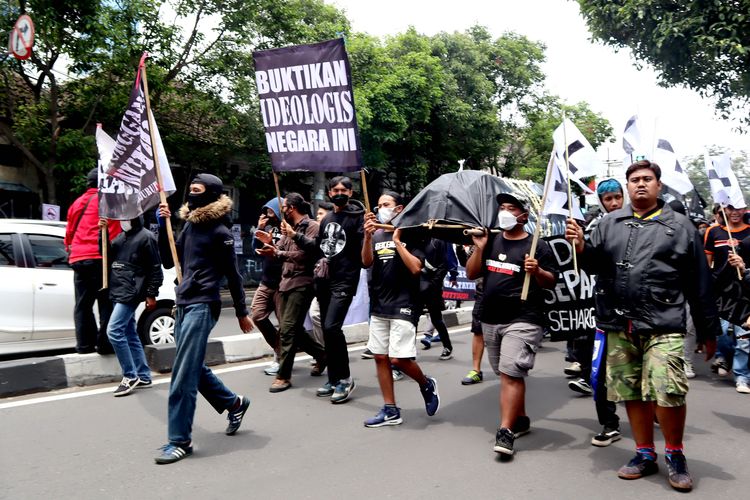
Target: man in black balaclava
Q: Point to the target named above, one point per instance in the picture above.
(210, 259)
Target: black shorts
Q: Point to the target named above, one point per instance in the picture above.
(476, 312)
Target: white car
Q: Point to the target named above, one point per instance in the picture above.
(37, 294)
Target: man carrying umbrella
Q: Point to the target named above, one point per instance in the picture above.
(512, 328)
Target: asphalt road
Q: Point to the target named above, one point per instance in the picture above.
(85, 444)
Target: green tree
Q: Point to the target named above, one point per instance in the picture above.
(702, 44)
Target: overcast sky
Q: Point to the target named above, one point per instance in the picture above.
(576, 69)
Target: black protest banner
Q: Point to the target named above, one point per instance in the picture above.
(732, 298)
(135, 188)
(307, 106)
(570, 305)
(465, 289)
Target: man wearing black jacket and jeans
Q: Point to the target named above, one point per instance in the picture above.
(135, 275)
(205, 249)
(649, 262)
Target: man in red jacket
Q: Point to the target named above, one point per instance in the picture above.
(82, 244)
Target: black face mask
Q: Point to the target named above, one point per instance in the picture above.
(340, 200)
(197, 200)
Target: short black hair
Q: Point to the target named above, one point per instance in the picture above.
(340, 179)
(325, 205)
(398, 198)
(641, 164)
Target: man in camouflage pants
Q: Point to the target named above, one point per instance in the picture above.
(649, 261)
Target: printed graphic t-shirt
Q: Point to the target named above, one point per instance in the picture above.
(717, 243)
(340, 241)
(393, 289)
(502, 269)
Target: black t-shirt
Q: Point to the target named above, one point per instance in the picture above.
(502, 269)
(717, 243)
(394, 290)
(340, 241)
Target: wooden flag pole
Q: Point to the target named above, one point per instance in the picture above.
(537, 229)
(731, 240)
(278, 191)
(162, 194)
(364, 189)
(570, 195)
(105, 259)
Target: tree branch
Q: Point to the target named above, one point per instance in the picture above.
(8, 132)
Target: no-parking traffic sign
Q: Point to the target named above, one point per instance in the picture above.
(22, 38)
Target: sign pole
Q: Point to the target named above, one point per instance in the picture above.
(537, 229)
(364, 189)
(570, 196)
(105, 259)
(162, 194)
(278, 191)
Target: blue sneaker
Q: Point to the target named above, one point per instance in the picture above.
(325, 391)
(436, 338)
(426, 341)
(388, 415)
(342, 392)
(171, 453)
(431, 396)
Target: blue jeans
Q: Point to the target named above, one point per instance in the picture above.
(193, 324)
(741, 357)
(124, 339)
(724, 342)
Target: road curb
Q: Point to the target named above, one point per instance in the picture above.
(26, 376)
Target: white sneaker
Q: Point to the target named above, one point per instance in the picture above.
(689, 372)
(743, 388)
(273, 369)
(573, 369)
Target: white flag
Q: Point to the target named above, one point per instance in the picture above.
(582, 158)
(725, 188)
(672, 173)
(557, 192)
(631, 142)
(166, 173)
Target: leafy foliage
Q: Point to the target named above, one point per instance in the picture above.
(703, 44)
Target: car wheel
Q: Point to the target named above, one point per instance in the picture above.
(158, 327)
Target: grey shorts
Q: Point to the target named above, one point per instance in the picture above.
(511, 348)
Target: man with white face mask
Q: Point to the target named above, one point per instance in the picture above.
(512, 328)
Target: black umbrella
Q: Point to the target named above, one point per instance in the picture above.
(452, 203)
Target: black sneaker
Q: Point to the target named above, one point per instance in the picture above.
(144, 383)
(171, 453)
(504, 441)
(638, 467)
(679, 477)
(446, 354)
(235, 416)
(126, 387)
(580, 386)
(573, 369)
(606, 437)
(521, 427)
(367, 354)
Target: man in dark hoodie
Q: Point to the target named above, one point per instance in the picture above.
(340, 243)
(267, 298)
(134, 276)
(205, 250)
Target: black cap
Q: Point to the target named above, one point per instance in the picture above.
(92, 178)
(518, 200)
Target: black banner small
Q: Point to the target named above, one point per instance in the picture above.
(464, 289)
(307, 107)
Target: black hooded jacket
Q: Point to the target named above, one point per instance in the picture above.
(135, 272)
(205, 249)
(340, 242)
(646, 270)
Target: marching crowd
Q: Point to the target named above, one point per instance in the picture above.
(654, 306)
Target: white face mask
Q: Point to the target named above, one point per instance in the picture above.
(506, 220)
(385, 214)
(126, 225)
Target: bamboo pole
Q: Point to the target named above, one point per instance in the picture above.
(537, 229)
(278, 191)
(364, 189)
(105, 259)
(570, 196)
(162, 194)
